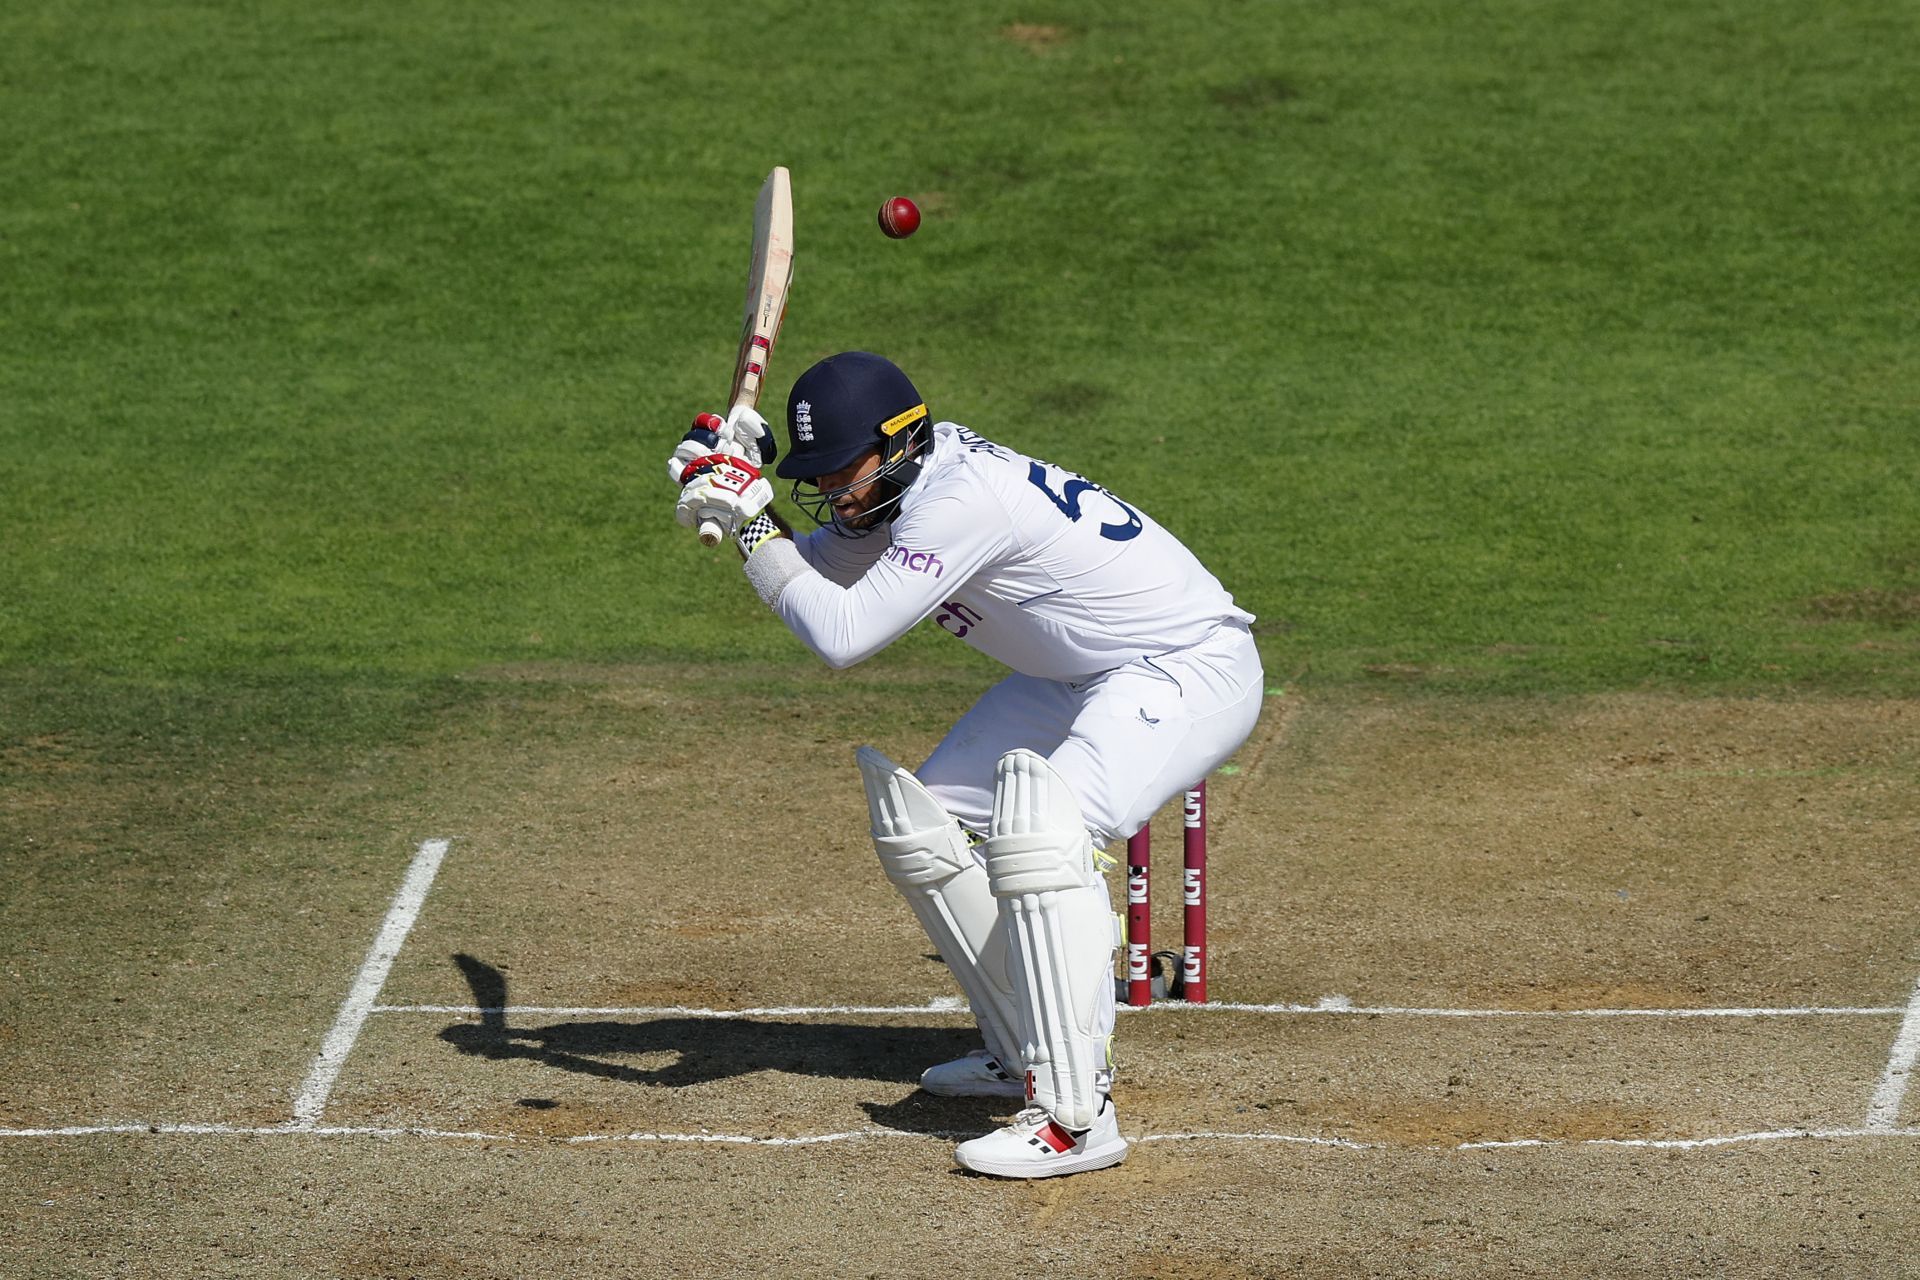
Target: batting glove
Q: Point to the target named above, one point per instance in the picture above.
(746, 435)
(701, 441)
(728, 492)
(741, 434)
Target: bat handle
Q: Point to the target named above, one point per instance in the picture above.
(710, 532)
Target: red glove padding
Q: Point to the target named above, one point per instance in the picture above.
(722, 490)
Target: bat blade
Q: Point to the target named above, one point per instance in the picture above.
(768, 280)
(769, 276)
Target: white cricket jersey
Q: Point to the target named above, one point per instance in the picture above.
(1026, 561)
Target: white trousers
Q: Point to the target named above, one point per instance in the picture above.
(1127, 740)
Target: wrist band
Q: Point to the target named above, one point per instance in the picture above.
(756, 531)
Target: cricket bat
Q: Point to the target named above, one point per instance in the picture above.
(768, 279)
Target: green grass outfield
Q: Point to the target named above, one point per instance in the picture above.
(1489, 348)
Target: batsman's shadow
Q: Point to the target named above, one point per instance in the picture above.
(698, 1050)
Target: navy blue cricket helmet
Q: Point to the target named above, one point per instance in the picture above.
(843, 407)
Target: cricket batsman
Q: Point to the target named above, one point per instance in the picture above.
(1133, 674)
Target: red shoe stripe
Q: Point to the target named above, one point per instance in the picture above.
(1054, 1136)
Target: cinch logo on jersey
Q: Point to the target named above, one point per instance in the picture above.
(803, 421)
(916, 561)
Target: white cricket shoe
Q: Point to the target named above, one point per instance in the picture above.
(978, 1075)
(1035, 1146)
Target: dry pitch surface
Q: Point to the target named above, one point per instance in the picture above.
(1617, 986)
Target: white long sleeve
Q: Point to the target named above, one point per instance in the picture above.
(1023, 560)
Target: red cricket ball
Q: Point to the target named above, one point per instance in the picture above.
(899, 217)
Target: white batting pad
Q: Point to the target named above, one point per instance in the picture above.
(925, 854)
(1040, 867)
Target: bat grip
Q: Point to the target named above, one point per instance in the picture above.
(710, 533)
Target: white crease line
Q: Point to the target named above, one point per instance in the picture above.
(91, 1130)
(1792, 1011)
(1694, 1144)
(861, 1135)
(741, 1140)
(414, 1131)
(311, 1101)
(250, 1131)
(1345, 1144)
(1171, 1006)
(669, 1011)
(1884, 1112)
